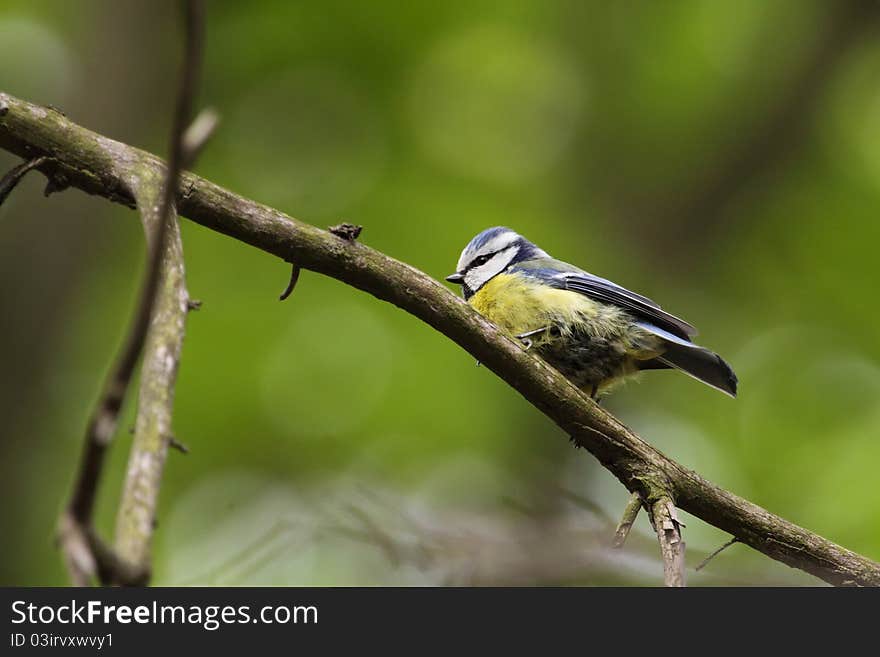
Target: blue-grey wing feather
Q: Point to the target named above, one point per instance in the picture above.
(568, 277)
(642, 307)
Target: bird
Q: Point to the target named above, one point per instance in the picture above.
(594, 332)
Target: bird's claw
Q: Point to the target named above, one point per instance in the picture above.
(524, 337)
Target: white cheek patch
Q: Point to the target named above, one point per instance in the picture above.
(477, 277)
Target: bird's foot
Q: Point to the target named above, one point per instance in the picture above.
(524, 337)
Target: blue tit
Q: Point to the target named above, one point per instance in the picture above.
(595, 332)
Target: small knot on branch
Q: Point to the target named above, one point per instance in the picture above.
(56, 182)
(193, 304)
(347, 231)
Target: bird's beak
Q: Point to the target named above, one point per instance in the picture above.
(456, 278)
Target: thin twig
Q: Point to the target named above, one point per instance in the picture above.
(294, 277)
(664, 517)
(104, 418)
(705, 561)
(174, 443)
(630, 513)
(14, 175)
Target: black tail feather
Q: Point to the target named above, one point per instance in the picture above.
(653, 364)
(700, 363)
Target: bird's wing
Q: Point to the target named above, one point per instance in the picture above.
(568, 277)
(642, 307)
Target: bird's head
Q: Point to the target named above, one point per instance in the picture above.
(488, 254)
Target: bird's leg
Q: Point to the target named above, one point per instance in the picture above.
(524, 337)
(594, 395)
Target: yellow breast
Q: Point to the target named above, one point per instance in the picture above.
(593, 344)
(519, 304)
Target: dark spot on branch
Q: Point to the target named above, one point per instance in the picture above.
(4, 108)
(294, 277)
(348, 232)
(193, 304)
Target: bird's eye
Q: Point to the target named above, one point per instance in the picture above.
(482, 260)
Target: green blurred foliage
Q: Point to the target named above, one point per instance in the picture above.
(583, 125)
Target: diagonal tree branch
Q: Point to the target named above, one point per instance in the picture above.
(99, 165)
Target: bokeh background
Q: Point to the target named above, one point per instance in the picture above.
(721, 157)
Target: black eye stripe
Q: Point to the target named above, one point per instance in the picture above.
(482, 260)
